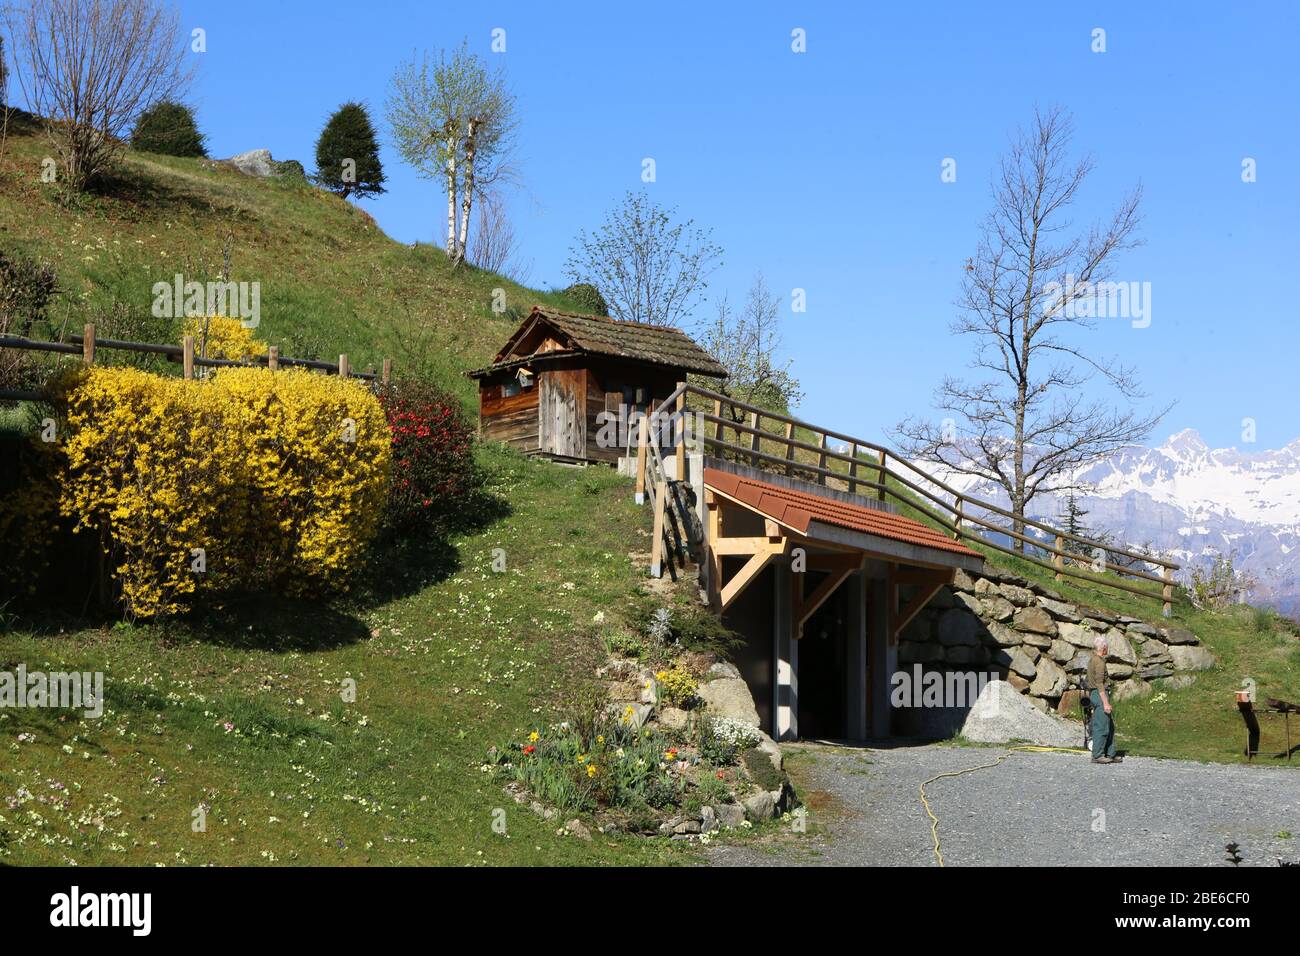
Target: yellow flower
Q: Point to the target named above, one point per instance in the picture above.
(600, 739)
(591, 770)
(582, 758)
(534, 737)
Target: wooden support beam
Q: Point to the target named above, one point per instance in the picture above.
(388, 371)
(744, 545)
(754, 438)
(853, 470)
(713, 535)
(821, 459)
(88, 344)
(748, 573)
(344, 368)
(642, 444)
(273, 357)
(884, 475)
(835, 562)
(806, 607)
(187, 356)
(929, 582)
(789, 448)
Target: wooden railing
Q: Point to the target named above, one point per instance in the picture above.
(800, 449)
(86, 345)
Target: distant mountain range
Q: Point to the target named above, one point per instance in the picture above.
(1193, 503)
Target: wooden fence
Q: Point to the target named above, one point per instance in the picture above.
(87, 344)
(800, 449)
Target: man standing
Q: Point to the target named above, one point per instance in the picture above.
(1103, 726)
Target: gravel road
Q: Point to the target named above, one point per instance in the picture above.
(1048, 809)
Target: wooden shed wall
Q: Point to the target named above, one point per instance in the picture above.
(512, 421)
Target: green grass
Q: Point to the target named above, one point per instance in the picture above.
(331, 281)
(441, 673)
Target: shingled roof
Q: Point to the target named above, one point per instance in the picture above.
(634, 341)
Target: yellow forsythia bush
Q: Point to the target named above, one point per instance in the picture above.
(221, 337)
(250, 479)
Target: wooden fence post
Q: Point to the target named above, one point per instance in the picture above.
(754, 438)
(273, 358)
(642, 441)
(343, 366)
(1057, 560)
(853, 468)
(789, 448)
(884, 474)
(681, 433)
(388, 371)
(1167, 592)
(821, 459)
(957, 516)
(187, 356)
(88, 344)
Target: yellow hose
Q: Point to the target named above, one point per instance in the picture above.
(934, 821)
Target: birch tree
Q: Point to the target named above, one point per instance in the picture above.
(648, 268)
(453, 120)
(1037, 409)
(748, 344)
(90, 67)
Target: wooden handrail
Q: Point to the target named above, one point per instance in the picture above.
(826, 452)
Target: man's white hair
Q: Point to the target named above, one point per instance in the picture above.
(1098, 642)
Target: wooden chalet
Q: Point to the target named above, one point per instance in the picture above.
(547, 387)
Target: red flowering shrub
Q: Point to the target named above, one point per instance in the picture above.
(433, 470)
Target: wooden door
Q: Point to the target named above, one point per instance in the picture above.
(561, 427)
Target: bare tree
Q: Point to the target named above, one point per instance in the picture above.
(648, 268)
(453, 119)
(747, 344)
(495, 247)
(1027, 423)
(90, 67)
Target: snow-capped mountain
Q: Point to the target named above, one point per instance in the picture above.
(1192, 502)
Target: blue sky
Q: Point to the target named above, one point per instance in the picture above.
(822, 169)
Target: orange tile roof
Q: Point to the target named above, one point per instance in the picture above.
(798, 509)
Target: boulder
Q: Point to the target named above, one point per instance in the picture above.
(576, 827)
(986, 587)
(1097, 614)
(958, 627)
(723, 669)
(1154, 650)
(1141, 628)
(759, 806)
(1022, 665)
(1178, 635)
(1119, 647)
(1034, 620)
(1040, 641)
(961, 655)
(673, 718)
(1078, 663)
(1075, 634)
(1177, 682)
(1061, 651)
(1058, 609)
(1131, 688)
(1002, 714)
(730, 815)
(1156, 671)
(997, 608)
(708, 820)
(1117, 671)
(961, 581)
(773, 751)
(729, 697)
(255, 162)
(1050, 680)
(1189, 657)
(1004, 636)
(1018, 596)
(1068, 705)
(1019, 683)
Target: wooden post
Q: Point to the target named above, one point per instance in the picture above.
(884, 475)
(789, 448)
(957, 517)
(657, 545)
(88, 344)
(388, 371)
(273, 358)
(821, 460)
(754, 438)
(1167, 592)
(853, 468)
(1057, 560)
(187, 356)
(717, 413)
(343, 366)
(642, 441)
(681, 433)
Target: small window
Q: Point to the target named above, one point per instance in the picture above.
(510, 389)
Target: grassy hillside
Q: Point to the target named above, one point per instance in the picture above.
(243, 714)
(331, 281)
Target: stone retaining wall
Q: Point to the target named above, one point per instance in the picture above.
(1040, 643)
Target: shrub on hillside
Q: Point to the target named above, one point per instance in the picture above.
(169, 128)
(587, 298)
(347, 154)
(434, 473)
(222, 337)
(26, 288)
(250, 480)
